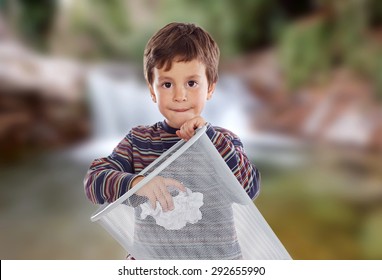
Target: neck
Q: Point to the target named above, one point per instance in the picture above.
(168, 128)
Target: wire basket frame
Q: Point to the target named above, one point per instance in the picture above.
(213, 219)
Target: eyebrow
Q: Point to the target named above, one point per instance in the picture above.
(162, 78)
(194, 77)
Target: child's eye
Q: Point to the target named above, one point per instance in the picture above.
(166, 85)
(192, 83)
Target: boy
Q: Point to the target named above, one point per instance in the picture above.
(180, 68)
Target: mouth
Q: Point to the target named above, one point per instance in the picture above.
(180, 110)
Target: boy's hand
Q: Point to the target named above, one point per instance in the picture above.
(156, 190)
(187, 130)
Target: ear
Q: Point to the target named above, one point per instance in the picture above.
(152, 94)
(211, 89)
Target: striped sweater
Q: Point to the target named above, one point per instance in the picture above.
(110, 177)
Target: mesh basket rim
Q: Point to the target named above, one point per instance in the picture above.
(180, 148)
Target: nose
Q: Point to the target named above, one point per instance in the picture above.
(180, 95)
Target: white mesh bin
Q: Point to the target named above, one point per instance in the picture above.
(213, 219)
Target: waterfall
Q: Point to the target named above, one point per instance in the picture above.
(119, 103)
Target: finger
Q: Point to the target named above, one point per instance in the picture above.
(174, 183)
(187, 131)
(168, 197)
(152, 200)
(190, 129)
(179, 134)
(199, 123)
(161, 198)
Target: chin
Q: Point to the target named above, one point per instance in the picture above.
(177, 123)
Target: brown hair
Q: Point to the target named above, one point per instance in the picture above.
(185, 42)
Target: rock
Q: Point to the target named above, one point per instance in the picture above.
(42, 101)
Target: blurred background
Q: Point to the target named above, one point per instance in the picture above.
(300, 83)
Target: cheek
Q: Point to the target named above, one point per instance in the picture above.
(202, 97)
(162, 99)
(200, 102)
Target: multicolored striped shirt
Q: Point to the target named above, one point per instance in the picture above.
(110, 177)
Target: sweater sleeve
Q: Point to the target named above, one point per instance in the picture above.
(231, 149)
(110, 177)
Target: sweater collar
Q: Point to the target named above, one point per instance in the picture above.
(168, 128)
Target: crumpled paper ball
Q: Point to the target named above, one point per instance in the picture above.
(186, 210)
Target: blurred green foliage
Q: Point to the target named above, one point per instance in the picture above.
(104, 24)
(238, 26)
(304, 52)
(32, 19)
(340, 36)
(331, 33)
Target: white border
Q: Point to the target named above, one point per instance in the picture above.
(297, 270)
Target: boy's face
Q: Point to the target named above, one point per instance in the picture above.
(181, 92)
